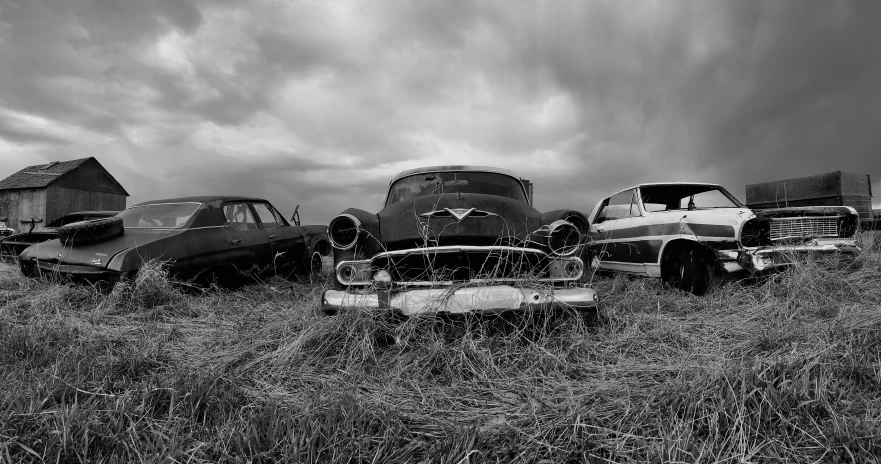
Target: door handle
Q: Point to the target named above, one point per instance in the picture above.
(271, 237)
(235, 242)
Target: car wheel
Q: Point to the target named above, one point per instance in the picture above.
(316, 263)
(689, 270)
(95, 230)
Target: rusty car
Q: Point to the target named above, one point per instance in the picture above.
(456, 240)
(222, 239)
(685, 233)
(14, 244)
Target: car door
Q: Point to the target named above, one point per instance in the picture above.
(617, 233)
(288, 245)
(250, 248)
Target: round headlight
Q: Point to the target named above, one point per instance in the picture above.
(563, 238)
(346, 273)
(343, 231)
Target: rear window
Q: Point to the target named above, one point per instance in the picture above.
(436, 183)
(158, 216)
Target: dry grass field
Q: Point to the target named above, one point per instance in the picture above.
(782, 369)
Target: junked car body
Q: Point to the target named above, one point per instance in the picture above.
(202, 239)
(457, 239)
(14, 244)
(683, 232)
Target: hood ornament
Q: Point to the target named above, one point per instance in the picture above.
(458, 213)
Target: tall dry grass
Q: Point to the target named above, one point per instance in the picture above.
(785, 369)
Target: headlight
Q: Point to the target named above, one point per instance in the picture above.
(563, 238)
(343, 231)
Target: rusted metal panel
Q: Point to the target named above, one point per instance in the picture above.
(830, 189)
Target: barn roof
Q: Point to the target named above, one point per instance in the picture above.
(42, 175)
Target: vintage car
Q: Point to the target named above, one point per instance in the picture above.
(5, 231)
(14, 244)
(457, 239)
(685, 232)
(203, 239)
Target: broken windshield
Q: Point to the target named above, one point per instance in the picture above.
(435, 183)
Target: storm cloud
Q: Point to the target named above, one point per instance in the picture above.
(319, 103)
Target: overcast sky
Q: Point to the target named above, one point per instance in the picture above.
(320, 102)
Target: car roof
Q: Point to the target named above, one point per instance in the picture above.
(200, 199)
(661, 184)
(93, 213)
(427, 169)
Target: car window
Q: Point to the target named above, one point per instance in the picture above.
(436, 183)
(619, 206)
(239, 217)
(267, 218)
(708, 199)
(158, 215)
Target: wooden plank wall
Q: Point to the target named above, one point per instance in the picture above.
(65, 200)
(16, 205)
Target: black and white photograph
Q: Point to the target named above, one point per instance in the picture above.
(440, 231)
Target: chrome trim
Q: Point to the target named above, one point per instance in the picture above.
(448, 249)
(468, 299)
(459, 214)
(554, 226)
(455, 248)
(357, 234)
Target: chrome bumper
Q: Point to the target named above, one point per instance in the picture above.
(484, 299)
(762, 259)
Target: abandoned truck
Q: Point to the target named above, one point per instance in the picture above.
(220, 239)
(457, 239)
(684, 232)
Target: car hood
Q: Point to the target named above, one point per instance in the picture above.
(431, 221)
(95, 254)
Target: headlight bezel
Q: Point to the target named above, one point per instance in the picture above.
(333, 227)
(568, 246)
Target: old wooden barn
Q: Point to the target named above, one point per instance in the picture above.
(39, 194)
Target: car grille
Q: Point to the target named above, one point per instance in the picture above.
(463, 264)
(804, 227)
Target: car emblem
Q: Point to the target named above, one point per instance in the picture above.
(458, 213)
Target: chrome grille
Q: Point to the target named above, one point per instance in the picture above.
(803, 227)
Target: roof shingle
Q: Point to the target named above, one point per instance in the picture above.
(40, 175)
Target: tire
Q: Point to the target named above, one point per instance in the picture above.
(91, 231)
(688, 269)
(316, 264)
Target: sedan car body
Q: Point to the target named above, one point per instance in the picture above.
(682, 232)
(203, 239)
(457, 239)
(15, 244)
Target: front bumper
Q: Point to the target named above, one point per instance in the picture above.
(762, 259)
(462, 300)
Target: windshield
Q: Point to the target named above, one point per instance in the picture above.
(686, 197)
(158, 216)
(434, 183)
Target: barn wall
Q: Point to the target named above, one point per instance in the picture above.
(66, 200)
(26, 204)
(89, 176)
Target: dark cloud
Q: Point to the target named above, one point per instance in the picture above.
(319, 103)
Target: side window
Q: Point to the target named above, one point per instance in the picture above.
(619, 206)
(266, 215)
(238, 217)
